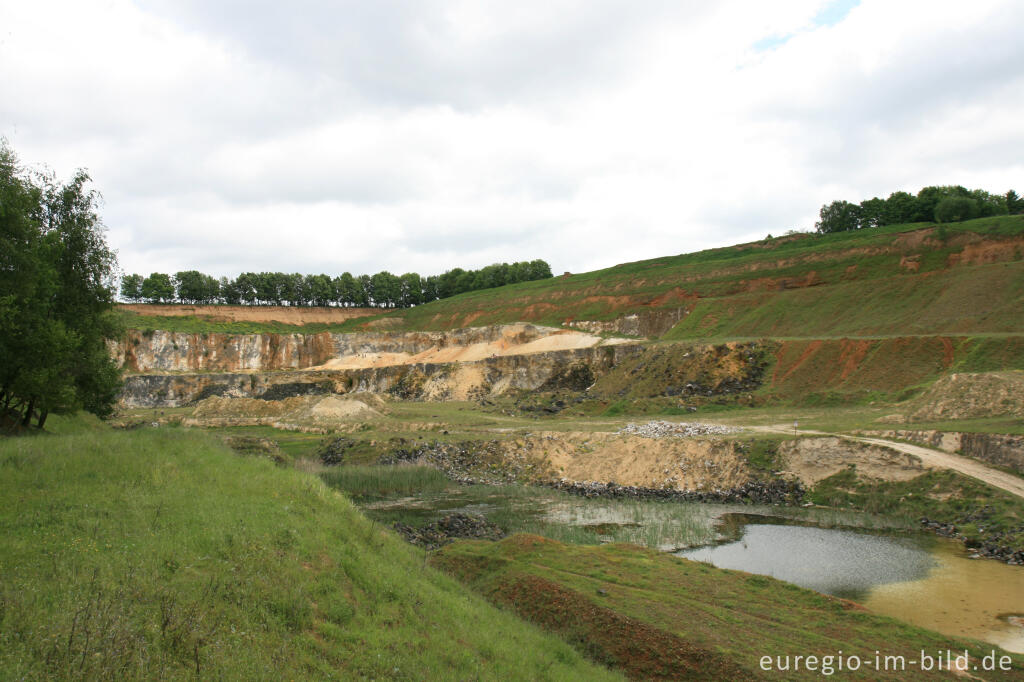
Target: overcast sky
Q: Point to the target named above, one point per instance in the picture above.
(422, 135)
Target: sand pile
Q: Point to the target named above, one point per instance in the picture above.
(968, 396)
(512, 341)
(290, 413)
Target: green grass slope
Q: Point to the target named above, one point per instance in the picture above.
(160, 554)
(966, 278)
(656, 616)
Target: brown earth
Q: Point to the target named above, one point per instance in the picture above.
(680, 463)
(251, 313)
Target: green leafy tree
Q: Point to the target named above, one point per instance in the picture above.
(131, 288)
(839, 216)
(192, 286)
(539, 269)
(872, 213)
(411, 289)
(345, 287)
(900, 207)
(955, 209)
(158, 288)
(1014, 204)
(57, 278)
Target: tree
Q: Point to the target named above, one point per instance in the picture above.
(900, 207)
(131, 288)
(345, 289)
(1014, 204)
(539, 269)
(57, 289)
(872, 213)
(158, 288)
(839, 216)
(411, 289)
(193, 286)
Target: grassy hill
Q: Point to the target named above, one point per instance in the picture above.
(161, 554)
(901, 280)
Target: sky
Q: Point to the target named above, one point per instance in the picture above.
(422, 135)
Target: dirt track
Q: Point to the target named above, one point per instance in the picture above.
(251, 313)
(930, 458)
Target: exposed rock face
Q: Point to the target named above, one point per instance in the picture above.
(161, 351)
(651, 323)
(428, 381)
(994, 448)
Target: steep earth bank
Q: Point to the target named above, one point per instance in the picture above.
(251, 313)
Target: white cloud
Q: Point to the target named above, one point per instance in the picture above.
(428, 135)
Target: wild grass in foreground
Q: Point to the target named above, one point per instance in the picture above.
(160, 554)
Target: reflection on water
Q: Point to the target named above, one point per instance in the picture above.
(922, 579)
(838, 562)
(925, 581)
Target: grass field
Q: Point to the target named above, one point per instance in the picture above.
(159, 554)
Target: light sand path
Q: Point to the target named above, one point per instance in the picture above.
(935, 459)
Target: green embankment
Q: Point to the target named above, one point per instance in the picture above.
(160, 554)
(686, 618)
(964, 278)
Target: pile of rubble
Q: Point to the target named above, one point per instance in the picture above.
(991, 545)
(666, 429)
(442, 532)
(493, 462)
(752, 492)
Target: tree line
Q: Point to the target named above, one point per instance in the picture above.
(942, 204)
(382, 290)
(57, 280)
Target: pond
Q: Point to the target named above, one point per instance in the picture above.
(927, 581)
(916, 577)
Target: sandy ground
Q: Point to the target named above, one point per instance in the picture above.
(253, 313)
(929, 457)
(559, 340)
(682, 463)
(290, 413)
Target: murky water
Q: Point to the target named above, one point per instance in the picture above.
(922, 580)
(918, 578)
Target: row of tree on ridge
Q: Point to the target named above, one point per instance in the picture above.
(941, 204)
(382, 290)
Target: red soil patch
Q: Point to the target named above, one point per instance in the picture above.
(639, 650)
(988, 252)
(947, 352)
(851, 354)
(811, 349)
